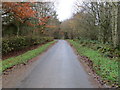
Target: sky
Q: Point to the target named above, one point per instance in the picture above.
(64, 9)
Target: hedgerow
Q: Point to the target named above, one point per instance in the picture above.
(18, 43)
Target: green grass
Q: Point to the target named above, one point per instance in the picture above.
(104, 67)
(23, 58)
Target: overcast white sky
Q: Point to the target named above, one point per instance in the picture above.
(64, 9)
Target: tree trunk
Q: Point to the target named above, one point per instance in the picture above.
(115, 24)
(18, 30)
(118, 25)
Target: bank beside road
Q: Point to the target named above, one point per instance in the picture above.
(25, 57)
(104, 67)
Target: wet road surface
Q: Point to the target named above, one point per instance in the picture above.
(59, 67)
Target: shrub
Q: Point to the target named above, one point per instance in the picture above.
(18, 43)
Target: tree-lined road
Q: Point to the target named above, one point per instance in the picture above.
(58, 68)
(26, 26)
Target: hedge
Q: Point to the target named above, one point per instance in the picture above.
(18, 43)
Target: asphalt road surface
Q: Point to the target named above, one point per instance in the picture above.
(59, 67)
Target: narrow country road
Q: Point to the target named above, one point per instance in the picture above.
(58, 68)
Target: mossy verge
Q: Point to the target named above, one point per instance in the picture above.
(104, 67)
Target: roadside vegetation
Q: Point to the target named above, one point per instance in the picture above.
(22, 42)
(104, 66)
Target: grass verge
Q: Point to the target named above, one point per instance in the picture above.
(104, 67)
(23, 58)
